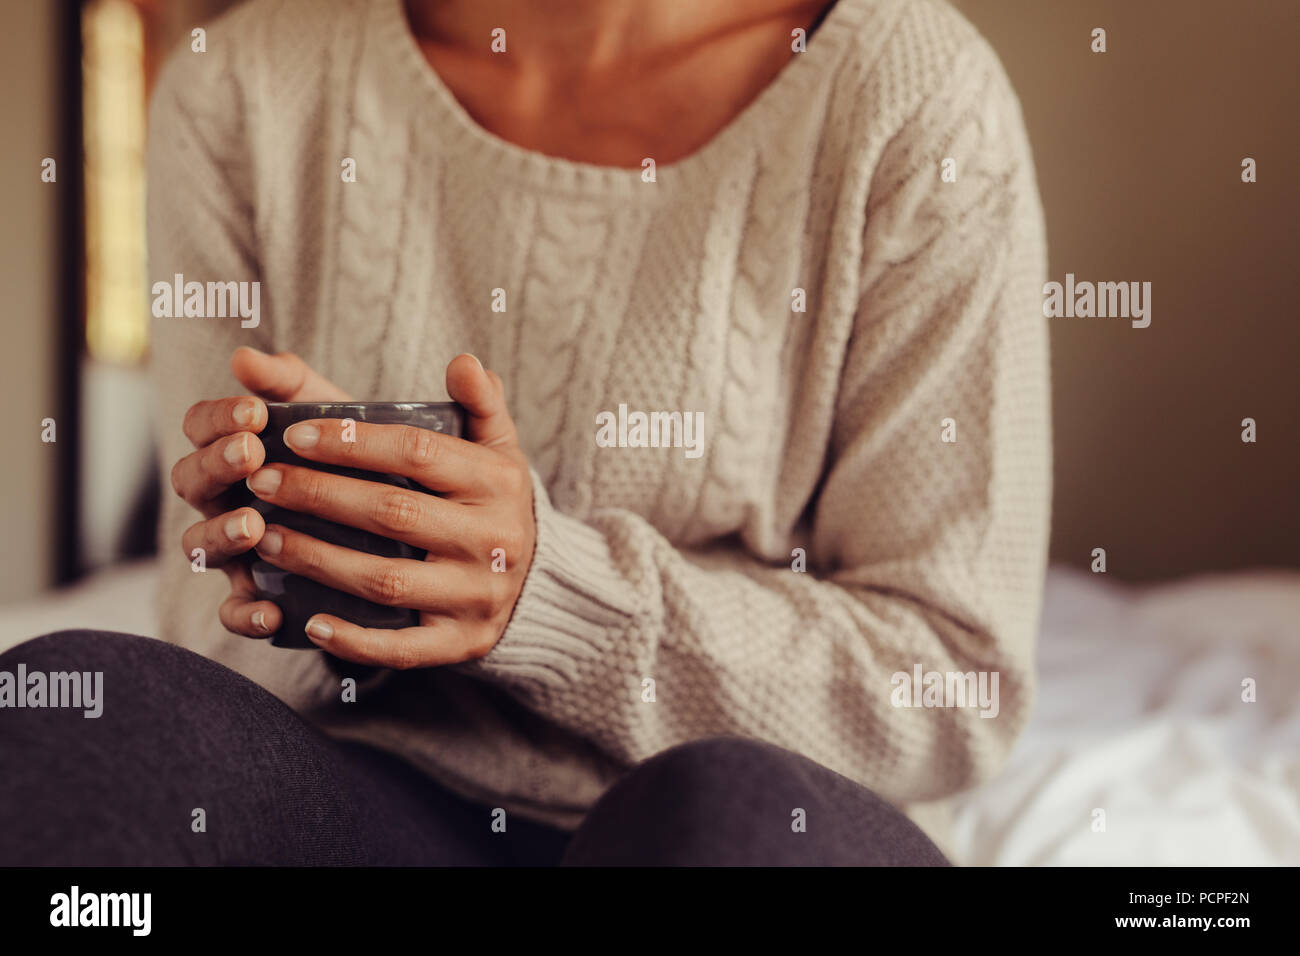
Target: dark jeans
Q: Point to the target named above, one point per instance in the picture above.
(181, 734)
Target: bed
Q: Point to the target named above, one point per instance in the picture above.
(1140, 715)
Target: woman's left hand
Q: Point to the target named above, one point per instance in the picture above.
(483, 520)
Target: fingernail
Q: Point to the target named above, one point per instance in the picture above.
(302, 435)
(319, 630)
(259, 620)
(236, 452)
(237, 526)
(271, 542)
(244, 413)
(476, 359)
(264, 481)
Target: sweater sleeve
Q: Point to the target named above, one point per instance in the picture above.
(927, 539)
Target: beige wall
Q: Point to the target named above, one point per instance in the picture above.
(1139, 152)
(30, 118)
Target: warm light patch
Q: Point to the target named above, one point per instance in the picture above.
(117, 311)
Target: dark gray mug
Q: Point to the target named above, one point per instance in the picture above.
(297, 597)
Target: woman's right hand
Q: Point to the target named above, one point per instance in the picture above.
(227, 450)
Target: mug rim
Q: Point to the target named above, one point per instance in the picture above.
(356, 404)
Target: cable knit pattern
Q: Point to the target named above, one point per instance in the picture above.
(822, 427)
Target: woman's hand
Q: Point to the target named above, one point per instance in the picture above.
(224, 432)
(479, 535)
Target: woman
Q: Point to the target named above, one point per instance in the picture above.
(815, 224)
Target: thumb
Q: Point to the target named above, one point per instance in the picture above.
(283, 378)
(483, 395)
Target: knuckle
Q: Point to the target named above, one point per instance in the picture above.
(419, 446)
(398, 512)
(212, 535)
(403, 656)
(484, 604)
(389, 585)
(205, 464)
(212, 538)
(512, 541)
(308, 488)
(503, 590)
(514, 481)
(307, 555)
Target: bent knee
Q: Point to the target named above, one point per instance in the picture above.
(139, 673)
(729, 762)
(130, 658)
(77, 645)
(715, 775)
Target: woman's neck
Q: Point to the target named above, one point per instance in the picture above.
(592, 36)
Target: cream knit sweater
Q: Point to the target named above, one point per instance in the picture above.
(823, 428)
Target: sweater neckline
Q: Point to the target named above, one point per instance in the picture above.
(494, 154)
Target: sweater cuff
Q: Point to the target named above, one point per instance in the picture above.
(574, 605)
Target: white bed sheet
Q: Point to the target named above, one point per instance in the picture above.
(1139, 714)
(124, 599)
